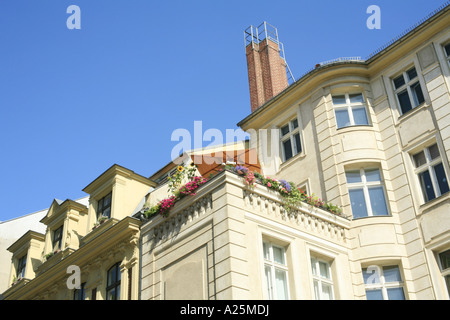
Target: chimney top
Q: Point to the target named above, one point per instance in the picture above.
(268, 71)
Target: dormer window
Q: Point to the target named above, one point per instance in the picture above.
(104, 207)
(57, 238)
(21, 264)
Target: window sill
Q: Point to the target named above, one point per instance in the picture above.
(96, 231)
(361, 221)
(292, 160)
(432, 204)
(412, 112)
(358, 127)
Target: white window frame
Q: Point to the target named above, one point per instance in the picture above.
(349, 107)
(444, 272)
(447, 56)
(315, 264)
(365, 185)
(271, 292)
(290, 136)
(428, 166)
(407, 85)
(382, 284)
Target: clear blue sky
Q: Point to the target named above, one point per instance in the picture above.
(75, 102)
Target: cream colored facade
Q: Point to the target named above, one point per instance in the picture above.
(214, 246)
(75, 244)
(230, 241)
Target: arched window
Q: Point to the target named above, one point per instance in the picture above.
(113, 283)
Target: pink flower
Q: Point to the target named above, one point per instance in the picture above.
(268, 184)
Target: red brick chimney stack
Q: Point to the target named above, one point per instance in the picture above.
(267, 74)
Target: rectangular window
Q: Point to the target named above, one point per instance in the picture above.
(430, 172)
(350, 110)
(447, 52)
(57, 238)
(104, 207)
(322, 282)
(408, 90)
(21, 264)
(79, 294)
(290, 140)
(366, 191)
(383, 283)
(444, 264)
(275, 271)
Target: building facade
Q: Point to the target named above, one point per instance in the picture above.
(366, 141)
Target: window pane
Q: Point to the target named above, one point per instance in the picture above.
(298, 146)
(313, 266)
(360, 116)
(399, 81)
(445, 259)
(284, 130)
(405, 103)
(281, 284)
(268, 273)
(391, 274)
(447, 282)
(374, 294)
(287, 147)
(371, 276)
(337, 100)
(426, 185)
(358, 203)
(395, 294)
(411, 73)
(372, 175)
(342, 118)
(353, 176)
(326, 292)
(266, 251)
(434, 151)
(447, 50)
(316, 289)
(278, 255)
(111, 295)
(324, 270)
(107, 200)
(107, 212)
(294, 124)
(441, 178)
(356, 98)
(378, 201)
(417, 94)
(419, 159)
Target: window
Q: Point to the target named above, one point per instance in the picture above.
(113, 283)
(57, 238)
(21, 264)
(444, 264)
(104, 207)
(408, 90)
(431, 173)
(447, 52)
(383, 283)
(366, 193)
(290, 140)
(79, 294)
(350, 110)
(276, 271)
(323, 285)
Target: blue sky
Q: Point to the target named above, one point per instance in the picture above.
(75, 102)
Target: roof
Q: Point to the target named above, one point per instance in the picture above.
(383, 50)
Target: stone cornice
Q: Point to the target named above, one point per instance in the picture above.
(111, 173)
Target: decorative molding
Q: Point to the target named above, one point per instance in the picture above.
(305, 217)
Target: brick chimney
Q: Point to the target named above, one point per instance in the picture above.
(266, 66)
